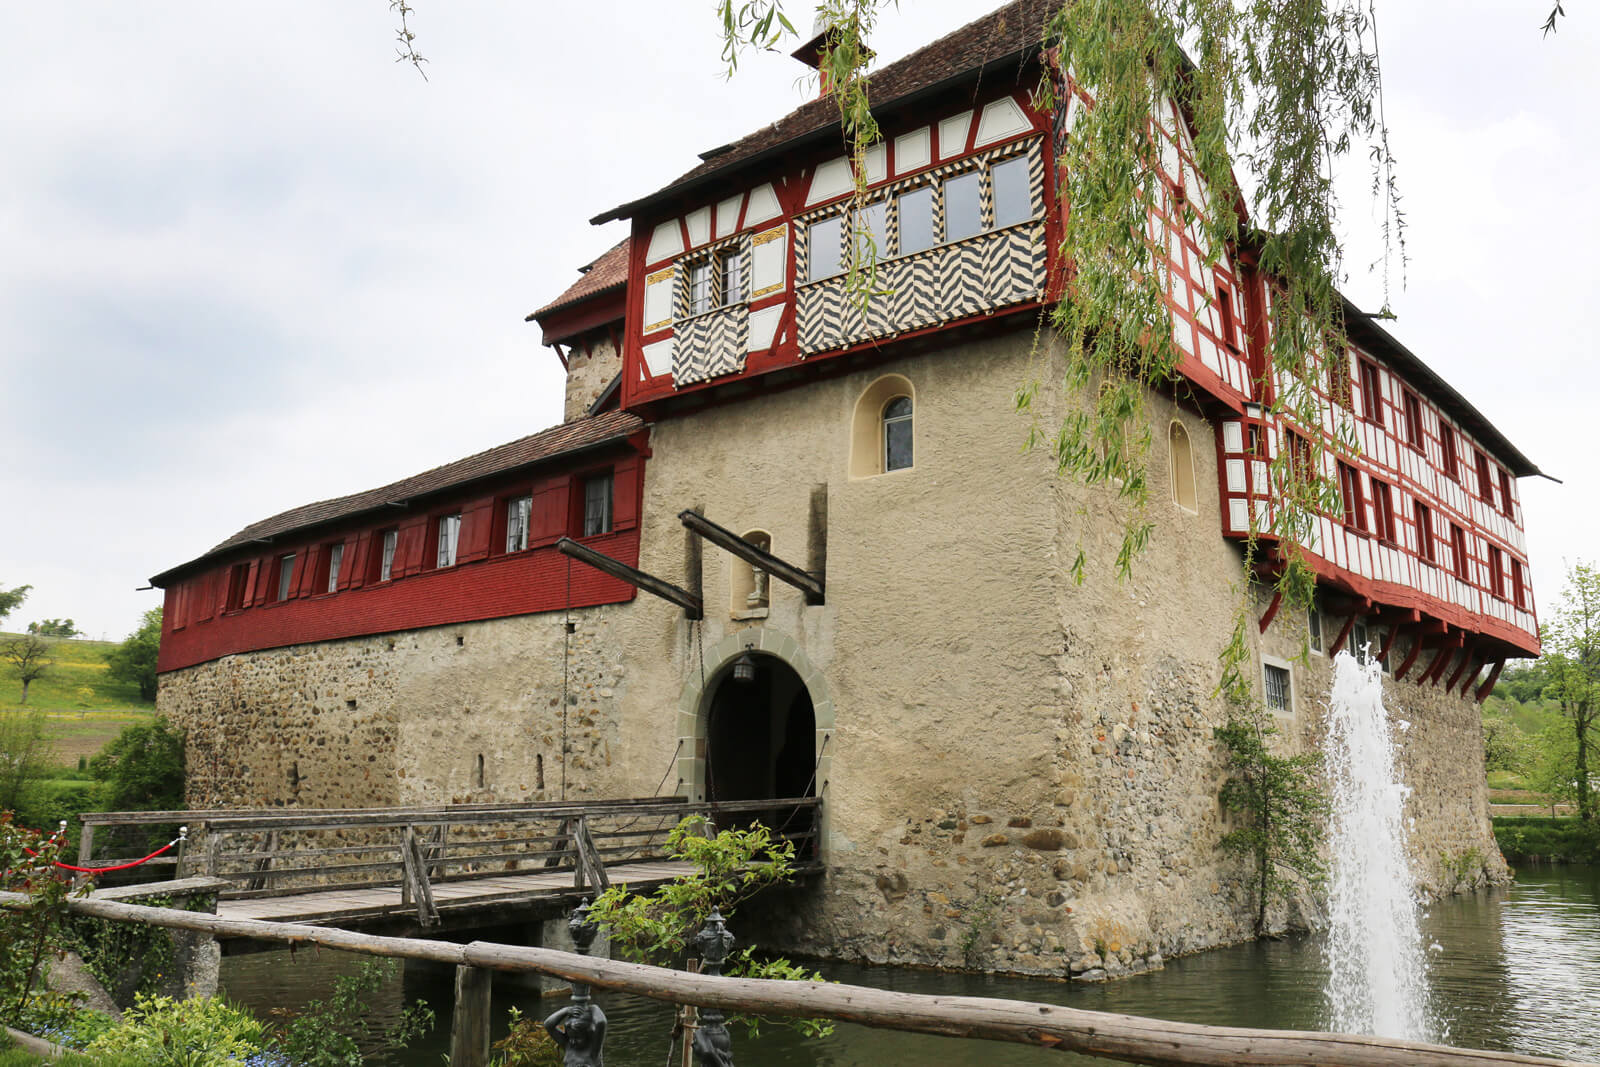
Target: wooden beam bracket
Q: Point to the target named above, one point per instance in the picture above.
(693, 607)
(809, 584)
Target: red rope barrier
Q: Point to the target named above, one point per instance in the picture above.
(183, 835)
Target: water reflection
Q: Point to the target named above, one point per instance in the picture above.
(1514, 970)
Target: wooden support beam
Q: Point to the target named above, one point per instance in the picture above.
(1411, 657)
(1390, 614)
(1494, 676)
(1347, 604)
(1388, 643)
(1475, 665)
(1344, 632)
(693, 607)
(1272, 610)
(1456, 677)
(760, 558)
(1440, 658)
(469, 1025)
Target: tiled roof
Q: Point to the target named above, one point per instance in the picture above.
(1003, 33)
(574, 436)
(608, 272)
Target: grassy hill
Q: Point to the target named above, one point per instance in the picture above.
(79, 681)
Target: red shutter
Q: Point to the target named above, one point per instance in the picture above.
(625, 495)
(476, 522)
(549, 511)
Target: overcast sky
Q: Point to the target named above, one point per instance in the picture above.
(251, 262)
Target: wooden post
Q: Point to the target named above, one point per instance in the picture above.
(86, 844)
(469, 1025)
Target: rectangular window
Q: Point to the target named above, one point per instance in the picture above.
(825, 251)
(285, 575)
(1314, 628)
(1298, 457)
(597, 505)
(1458, 548)
(1519, 591)
(1485, 483)
(1013, 200)
(1383, 510)
(1413, 413)
(1371, 393)
(1362, 647)
(1506, 506)
(1339, 378)
(699, 288)
(449, 533)
(391, 539)
(1427, 548)
(963, 208)
(1447, 445)
(1497, 581)
(519, 510)
(1355, 516)
(872, 234)
(1230, 331)
(1277, 686)
(238, 586)
(730, 271)
(916, 220)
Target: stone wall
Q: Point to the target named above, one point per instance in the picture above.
(592, 361)
(1018, 770)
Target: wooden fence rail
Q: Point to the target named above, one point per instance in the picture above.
(1128, 1038)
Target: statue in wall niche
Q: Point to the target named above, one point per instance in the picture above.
(758, 594)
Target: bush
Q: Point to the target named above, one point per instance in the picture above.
(142, 770)
(1540, 837)
(203, 1032)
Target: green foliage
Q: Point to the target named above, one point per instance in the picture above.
(29, 936)
(730, 867)
(1524, 838)
(1281, 803)
(134, 660)
(1504, 746)
(980, 924)
(527, 1045)
(126, 958)
(142, 770)
(339, 1032)
(25, 756)
(1464, 866)
(202, 1032)
(1571, 639)
(1524, 681)
(54, 628)
(11, 599)
(27, 659)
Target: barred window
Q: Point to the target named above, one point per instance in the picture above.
(1277, 686)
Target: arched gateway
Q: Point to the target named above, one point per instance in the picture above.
(758, 727)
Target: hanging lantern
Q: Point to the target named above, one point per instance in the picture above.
(744, 669)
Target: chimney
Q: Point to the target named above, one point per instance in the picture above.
(810, 53)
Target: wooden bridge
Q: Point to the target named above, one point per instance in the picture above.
(461, 865)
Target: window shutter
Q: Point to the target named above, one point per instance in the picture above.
(477, 520)
(625, 496)
(549, 512)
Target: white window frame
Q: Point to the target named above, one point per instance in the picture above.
(449, 539)
(519, 517)
(1288, 669)
(285, 577)
(391, 541)
(335, 563)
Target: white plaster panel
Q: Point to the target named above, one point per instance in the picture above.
(699, 223)
(769, 254)
(658, 299)
(877, 163)
(764, 327)
(1238, 517)
(763, 205)
(728, 216)
(1235, 471)
(913, 151)
(658, 357)
(667, 240)
(830, 180)
(953, 134)
(1001, 119)
(1232, 437)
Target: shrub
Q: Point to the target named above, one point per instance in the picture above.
(203, 1032)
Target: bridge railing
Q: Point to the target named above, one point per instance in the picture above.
(279, 852)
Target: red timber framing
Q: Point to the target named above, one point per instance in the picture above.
(226, 602)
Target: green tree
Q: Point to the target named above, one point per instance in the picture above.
(1281, 805)
(135, 659)
(25, 755)
(1548, 766)
(11, 599)
(54, 628)
(1572, 659)
(1523, 682)
(142, 769)
(27, 658)
(1504, 746)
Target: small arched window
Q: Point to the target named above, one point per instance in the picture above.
(881, 434)
(1181, 458)
(897, 434)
